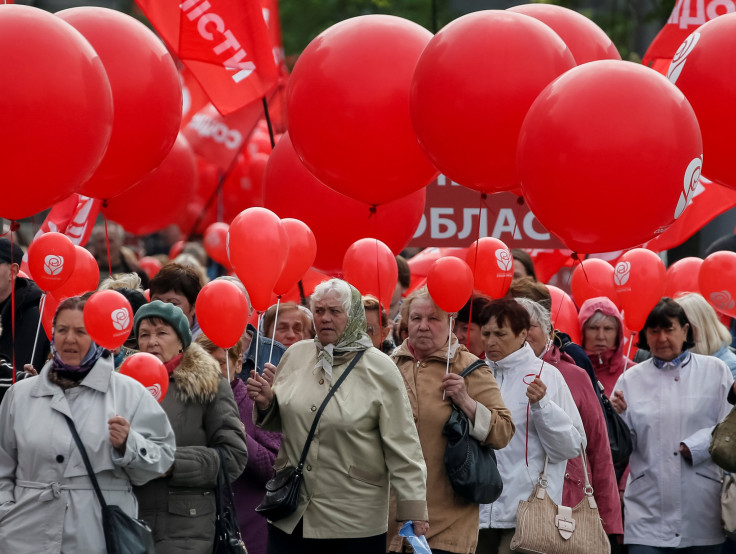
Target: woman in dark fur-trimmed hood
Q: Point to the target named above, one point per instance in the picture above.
(180, 506)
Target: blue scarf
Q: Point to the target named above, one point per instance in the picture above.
(662, 364)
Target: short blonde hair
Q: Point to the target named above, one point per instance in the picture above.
(130, 281)
(710, 334)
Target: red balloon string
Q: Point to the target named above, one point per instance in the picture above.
(374, 211)
(107, 240)
(13, 226)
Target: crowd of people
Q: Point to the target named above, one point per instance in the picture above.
(382, 383)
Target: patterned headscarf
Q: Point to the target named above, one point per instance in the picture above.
(353, 338)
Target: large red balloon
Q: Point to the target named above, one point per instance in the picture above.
(472, 88)
(588, 139)
(257, 248)
(564, 314)
(302, 251)
(348, 102)
(155, 202)
(370, 266)
(51, 260)
(703, 69)
(215, 242)
(55, 107)
(149, 371)
(84, 278)
(593, 278)
(450, 283)
(585, 39)
(108, 318)
(222, 312)
(337, 221)
(682, 277)
(492, 265)
(717, 279)
(639, 278)
(146, 97)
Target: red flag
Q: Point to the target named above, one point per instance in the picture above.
(687, 16)
(219, 139)
(224, 44)
(74, 216)
(707, 201)
(194, 97)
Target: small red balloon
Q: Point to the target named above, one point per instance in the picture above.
(150, 265)
(108, 318)
(149, 371)
(85, 278)
(257, 247)
(682, 276)
(450, 283)
(222, 312)
(215, 242)
(492, 265)
(717, 279)
(592, 278)
(639, 278)
(302, 251)
(564, 314)
(585, 39)
(370, 266)
(51, 260)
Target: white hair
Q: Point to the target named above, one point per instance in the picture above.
(333, 286)
(600, 317)
(537, 314)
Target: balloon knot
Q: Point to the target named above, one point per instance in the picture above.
(104, 203)
(574, 256)
(483, 196)
(14, 226)
(373, 210)
(520, 200)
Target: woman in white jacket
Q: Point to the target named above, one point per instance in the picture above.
(553, 428)
(671, 403)
(47, 503)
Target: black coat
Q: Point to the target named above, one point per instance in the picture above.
(27, 298)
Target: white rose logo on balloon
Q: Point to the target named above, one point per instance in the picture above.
(621, 273)
(155, 390)
(120, 319)
(52, 265)
(680, 57)
(690, 183)
(722, 300)
(504, 260)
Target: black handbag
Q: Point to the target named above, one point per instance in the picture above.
(282, 490)
(123, 534)
(228, 539)
(470, 466)
(619, 435)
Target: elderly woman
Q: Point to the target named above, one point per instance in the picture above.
(364, 437)
(547, 422)
(262, 449)
(180, 508)
(602, 329)
(422, 360)
(47, 503)
(712, 338)
(294, 323)
(671, 403)
(598, 449)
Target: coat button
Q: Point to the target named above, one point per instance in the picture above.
(314, 408)
(321, 381)
(143, 452)
(309, 468)
(60, 458)
(675, 453)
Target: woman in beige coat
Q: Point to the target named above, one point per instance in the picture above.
(364, 437)
(422, 360)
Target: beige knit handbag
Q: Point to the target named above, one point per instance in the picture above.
(543, 527)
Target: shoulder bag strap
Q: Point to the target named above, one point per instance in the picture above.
(472, 367)
(330, 394)
(87, 463)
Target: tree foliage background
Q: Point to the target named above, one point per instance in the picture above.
(631, 24)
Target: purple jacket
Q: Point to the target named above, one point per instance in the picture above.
(249, 488)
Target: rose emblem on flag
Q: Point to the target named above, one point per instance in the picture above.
(155, 390)
(120, 319)
(504, 260)
(621, 273)
(52, 265)
(722, 300)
